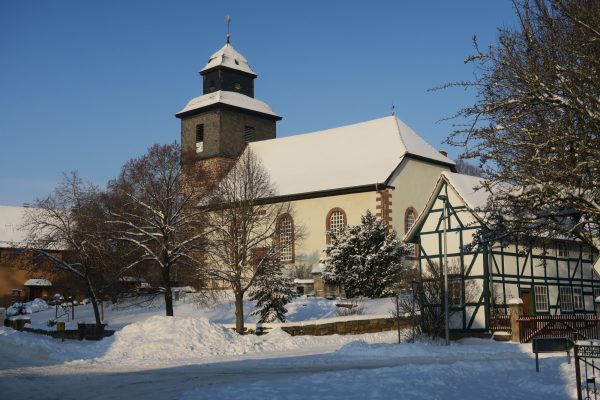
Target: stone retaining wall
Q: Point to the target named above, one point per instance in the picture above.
(348, 327)
(76, 334)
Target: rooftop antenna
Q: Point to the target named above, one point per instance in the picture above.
(393, 109)
(228, 21)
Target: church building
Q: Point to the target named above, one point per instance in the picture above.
(331, 177)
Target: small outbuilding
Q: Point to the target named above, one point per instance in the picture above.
(38, 288)
(304, 286)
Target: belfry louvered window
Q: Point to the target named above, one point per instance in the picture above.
(248, 134)
(199, 138)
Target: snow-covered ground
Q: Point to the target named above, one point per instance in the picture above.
(219, 310)
(193, 357)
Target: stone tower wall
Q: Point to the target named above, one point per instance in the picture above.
(223, 132)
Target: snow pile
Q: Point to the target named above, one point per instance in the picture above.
(171, 338)
(40, 349)
(183, 339)
(29, 307)
(160, 338)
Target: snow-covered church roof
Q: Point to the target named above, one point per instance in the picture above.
(11, 220)
(230, 98)
(362, 154)
(228, 57)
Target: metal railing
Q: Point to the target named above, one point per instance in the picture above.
(572, 326)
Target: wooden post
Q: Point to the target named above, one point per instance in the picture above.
(516, 310)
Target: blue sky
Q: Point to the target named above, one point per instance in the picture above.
(88, 85)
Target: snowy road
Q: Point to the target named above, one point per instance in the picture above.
(446, 375)
(191, 358)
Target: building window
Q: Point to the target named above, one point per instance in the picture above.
(541, 298)
(578, 298)
(455, 292)
(336, 222)
(410, 216)
(199, 138)
(566, 300)
(562, 250)
(596, 294)
(248, 134)
(285, 238)
(258, 256)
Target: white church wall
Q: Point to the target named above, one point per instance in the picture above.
(412, 182)
(311, 214)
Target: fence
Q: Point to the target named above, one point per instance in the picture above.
(572, 326)
(500, 323)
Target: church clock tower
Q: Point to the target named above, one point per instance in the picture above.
(216, 126)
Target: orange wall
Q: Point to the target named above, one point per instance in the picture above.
(15, 271)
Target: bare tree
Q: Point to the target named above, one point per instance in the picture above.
(534, 126)
(159, 214)
(244, 228)
(66, 229)
(300, 271)
(430, 298)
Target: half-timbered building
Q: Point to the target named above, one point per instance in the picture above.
(551, 276)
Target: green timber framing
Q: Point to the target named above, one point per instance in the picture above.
(499, 271)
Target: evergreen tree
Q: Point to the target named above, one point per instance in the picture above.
(271, 292)
(365, 259)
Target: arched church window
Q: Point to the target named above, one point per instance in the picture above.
(285, 238)
(336, 222)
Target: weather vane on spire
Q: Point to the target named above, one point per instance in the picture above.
(228, 21)
(393, 109)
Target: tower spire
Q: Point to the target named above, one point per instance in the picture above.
(227, 22)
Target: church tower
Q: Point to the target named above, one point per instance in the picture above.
(216, 126)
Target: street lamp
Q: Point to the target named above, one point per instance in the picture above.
(414, 286)
(398, 314)
(444, 198)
